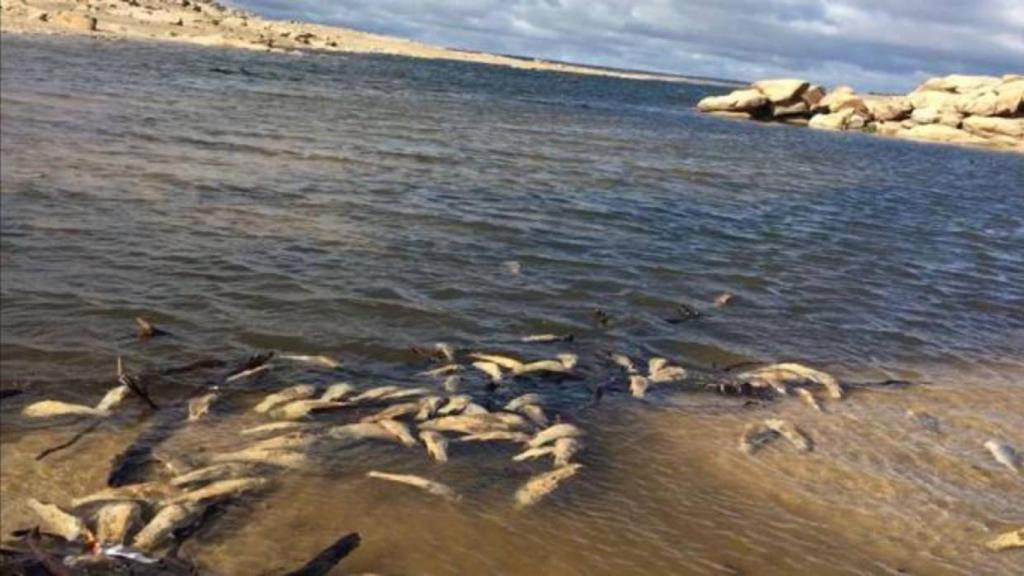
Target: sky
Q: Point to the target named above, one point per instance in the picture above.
(882, 45)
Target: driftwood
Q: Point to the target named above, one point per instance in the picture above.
(329, 557)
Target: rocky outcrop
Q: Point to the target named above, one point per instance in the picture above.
(955, 109)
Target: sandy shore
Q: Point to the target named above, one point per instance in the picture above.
(207, 23)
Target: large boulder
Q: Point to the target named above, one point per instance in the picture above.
(845, 119)
(748, 100)
(837, 101)
(934, 99)
(1010, 97)
(1003, 99)
(782, 89)
(933, 115)
(940, 133)
(888, 108)
(74, 21)
(885, 128)
(813, 95)
(988, 127)
(794, 107)
(958, 83)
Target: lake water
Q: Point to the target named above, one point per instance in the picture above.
(356, 206)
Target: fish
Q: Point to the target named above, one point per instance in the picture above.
(503, 361)
(638, 385)
(56, 521)
(276, 427)
(534, 453)
(320, 360)
(147, 329)
(446, 351)
(113, 398)
(565, 449)
(200, 406)
(1004, 454)
(1008, 540)
(271, 457)
(547, 338)
(142, 492)
(755, 436)
(564, 363)
(656, 364)
(666, 373)
(782, 376)
(164, 523)
(525, 400)
(301, 408)
(361, 431)
(329, 557)
(473, 408)
(213, 472)
(393, 411)
(285, 442)
(553, 433)
(428, 407)
(489, 368)
(536, 488)
(809, 399)
(496, 436)
(437, 445)
(445, 370)
(451, 383)
(297, 392)
(723, 299)
(535, 414)
(455, 405)
(791, 433)
(55, 408)
(337, 391)
(382, 393)
(115, 520)
(219, 489)
(431, 487)
(466, 424)
(400, 431)
(248, 373)
(623, 361)
(513, 421)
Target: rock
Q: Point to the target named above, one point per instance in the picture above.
(1010, 97)
(888, 108)
(813, 95)
(737, 101)
(934, 99)
(885, 128)
(732, 115)
(793, 107)
(74, 21)
(939, 133)
(988, 127)
(958, 83)
(933, 115)
(1003, 99)
(840, 120)
(781, 90)
(856, 122)
(837, 101)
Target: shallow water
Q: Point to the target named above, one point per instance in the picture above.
(357, 206)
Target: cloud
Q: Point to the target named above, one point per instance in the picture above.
(872, 44)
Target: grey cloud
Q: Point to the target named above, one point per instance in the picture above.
(873, 44)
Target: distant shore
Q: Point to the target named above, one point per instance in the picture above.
(207, 23)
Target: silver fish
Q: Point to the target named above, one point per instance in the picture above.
(113, 398)
(144, 492)
(213, 472)
(167, 520)
(199, 407)
(782, 376)
(624, 362)
(1004, 454)
(547, 338)
(1008, 540)
(400, 431)
(276, 427)
(289, 394)
(638, 385)
(220, 489)
(320, 360)
(808, 397)
(535, 414)
(489, 368)
(791, 433)
(525, 400)
(57, 521)
(503, 361)
(250, 372)
(452, 383)
(429, 486)
(445, 370)
(497, 436)
(429, 407)
(54, 408)
(437, 445)
(539, 486)
(455, 405)
(299, 409)
(394, 411)
(360, 431)
(553, 433)
(337, 391)
(271, 457)
(115, 520)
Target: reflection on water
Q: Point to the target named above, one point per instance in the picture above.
(357, 206)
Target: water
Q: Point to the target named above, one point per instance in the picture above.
(360, 205)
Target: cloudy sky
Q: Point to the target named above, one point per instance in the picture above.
(872, 44)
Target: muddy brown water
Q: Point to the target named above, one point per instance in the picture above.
(358, 206)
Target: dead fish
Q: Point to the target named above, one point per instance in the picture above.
(790, 433)
(361, 431)
(220, 489)
(512, 421)
(289, 394)
(446, 351)
(147, 329)
(451, 383)
(782, 376)
(429, 407)
(199, 407)
(144, 492)
(248, 373)
(497, 436)
(755, 436)
(466, 424)
(393, 411)
(429, 486)
(564, 363)
(55, 408)
(525, 400)
(1011, 539)
(513, 267)
(553, 433)
(638, 385)
(164, 523)
(489, 368)
(275, 427)
(115, 520)
(337, 391)
(474, 408)
(534, 453)
(455, 405)
(565, 449)
(623, 361)
(400, 431)
(213, 472)
(445, 370)
(382, 393)
(659, 371)
(57, 521)
(301, 408)
(535, 414)
(548, 338)
(929, 422)
(328, 558)
(1004, 454)
(503, 361)
(808, 397)
(539, 486)
(113, 398)
(270, 457)
(285, 442)
(723, 299)
(437, 445)
(321, 360)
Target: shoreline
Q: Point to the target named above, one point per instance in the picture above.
(207, 23)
